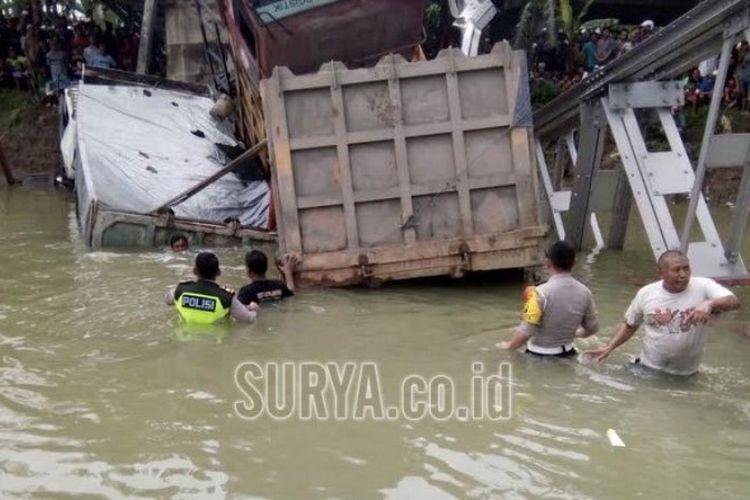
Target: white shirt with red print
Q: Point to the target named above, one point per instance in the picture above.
(672, 343)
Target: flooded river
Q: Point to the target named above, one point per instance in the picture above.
(102, 395)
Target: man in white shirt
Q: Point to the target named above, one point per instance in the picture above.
(674, 312)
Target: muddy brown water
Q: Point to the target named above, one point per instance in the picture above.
(103, 395)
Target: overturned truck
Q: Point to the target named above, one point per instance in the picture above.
(386, 166)
(381, 167)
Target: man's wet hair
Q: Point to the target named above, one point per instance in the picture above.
(207, 265)
(177, 237)
(257, 262)
(664, 257)
(562, 255)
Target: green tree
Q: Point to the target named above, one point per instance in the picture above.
(540, 15)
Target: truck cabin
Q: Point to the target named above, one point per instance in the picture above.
(303, 34)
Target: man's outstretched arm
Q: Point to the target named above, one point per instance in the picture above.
(622, 335)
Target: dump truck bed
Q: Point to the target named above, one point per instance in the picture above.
(405, 169)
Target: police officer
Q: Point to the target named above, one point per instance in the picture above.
(557, 311)
(203, 302)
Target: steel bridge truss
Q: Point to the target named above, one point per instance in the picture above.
(610, 99)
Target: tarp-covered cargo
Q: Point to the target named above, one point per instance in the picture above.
(138, 147)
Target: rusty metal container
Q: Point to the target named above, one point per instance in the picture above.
(405, 169)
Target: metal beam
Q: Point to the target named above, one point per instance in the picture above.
(713, 116)
(654, 212)
(739, 219)
(248, 155)
(589, 157)
(684, 43)
(558, 171)
(618, 228)
(554, 199)
(147, 34)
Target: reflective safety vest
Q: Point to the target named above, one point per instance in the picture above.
(202, 302)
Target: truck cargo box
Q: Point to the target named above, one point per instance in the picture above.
(405, 169)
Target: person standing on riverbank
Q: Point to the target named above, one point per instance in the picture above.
(557, 311)
(674, 312)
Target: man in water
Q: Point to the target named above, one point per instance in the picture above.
(674, 312)
(557, 311)
(179, 243)
(203, 302)
(261, 289)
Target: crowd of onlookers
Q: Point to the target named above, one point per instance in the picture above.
(42, 56)
(700, 82)
(555, 67)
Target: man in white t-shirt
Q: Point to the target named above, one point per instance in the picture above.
(674, 312)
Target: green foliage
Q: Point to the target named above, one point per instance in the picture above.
(543, 92)
(566, 15)
(522, 39)
(12, 105)
(432, 16)
(549, 14)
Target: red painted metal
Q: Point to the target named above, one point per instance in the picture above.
(357, 32)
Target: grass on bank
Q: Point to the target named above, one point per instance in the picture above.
(13, 105)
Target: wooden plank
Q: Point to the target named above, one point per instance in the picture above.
(459, 150)
(343, 165)
(288, 220)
